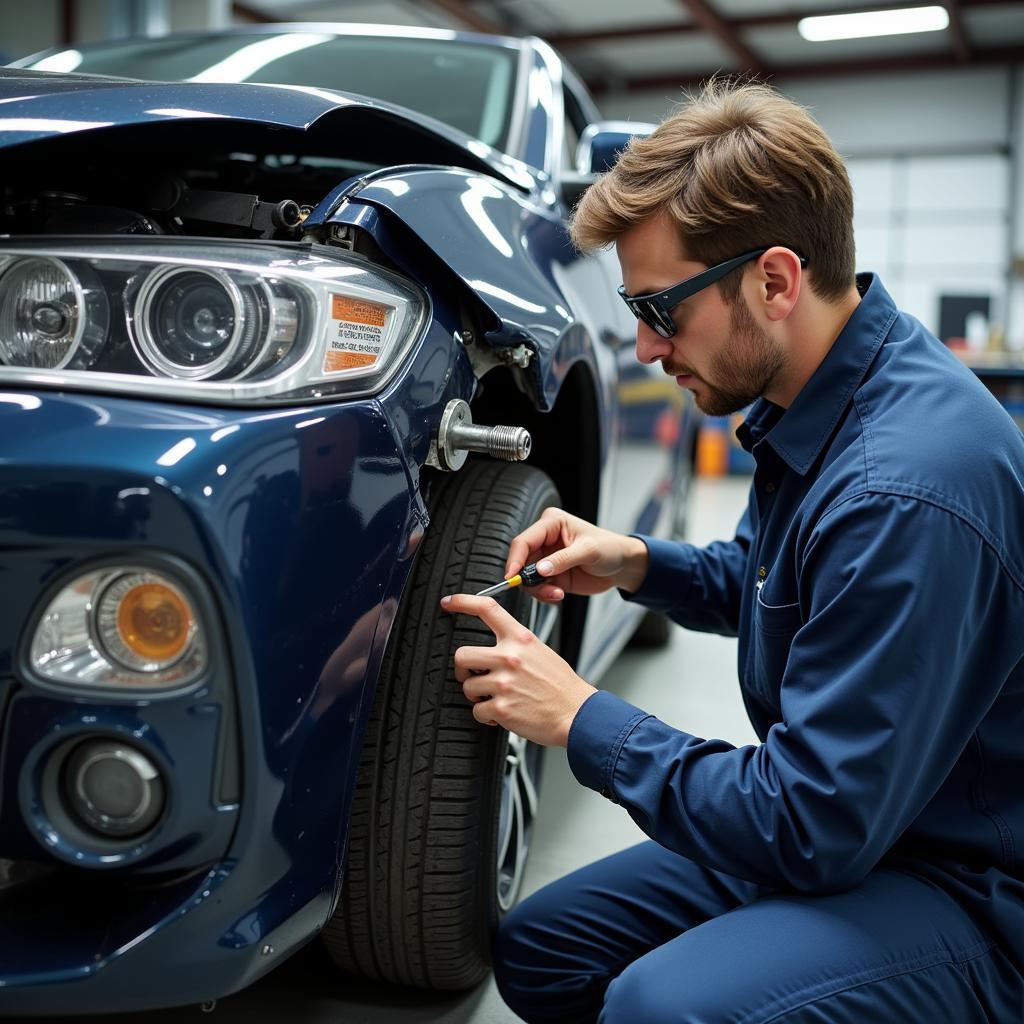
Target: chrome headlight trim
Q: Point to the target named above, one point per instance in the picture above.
(296, 280)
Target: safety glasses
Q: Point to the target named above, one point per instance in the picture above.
(655, 308)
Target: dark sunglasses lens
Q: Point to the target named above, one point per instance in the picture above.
(657, 319)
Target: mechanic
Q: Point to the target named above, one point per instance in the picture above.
(865, 861)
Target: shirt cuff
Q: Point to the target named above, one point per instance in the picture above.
(669, 574)
(601, 726)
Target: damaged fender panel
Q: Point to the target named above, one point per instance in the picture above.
(513, 254)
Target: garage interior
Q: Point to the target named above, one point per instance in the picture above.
(931, 125)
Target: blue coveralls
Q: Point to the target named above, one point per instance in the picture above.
(865, 861)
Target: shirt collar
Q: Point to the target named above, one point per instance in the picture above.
(799, 433)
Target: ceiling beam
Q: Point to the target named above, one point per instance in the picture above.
(712, 22)
(247, 13)
(826, 69)
(957, 29)
(783, 18)
(67, 22)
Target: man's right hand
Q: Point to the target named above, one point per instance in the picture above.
(577, 557)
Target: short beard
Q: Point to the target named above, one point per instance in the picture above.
(750, 363)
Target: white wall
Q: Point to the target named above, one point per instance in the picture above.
(24, 30)
(199, 14)
(923, 109)
(934, 225)
(938, 189)
(36, 25)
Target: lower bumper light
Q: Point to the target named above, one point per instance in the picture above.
(113, 789)
(125, 627)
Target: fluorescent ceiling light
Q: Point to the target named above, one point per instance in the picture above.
(874, 23)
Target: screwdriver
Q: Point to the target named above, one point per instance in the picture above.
(527, 577)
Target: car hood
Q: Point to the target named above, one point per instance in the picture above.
(36, 105)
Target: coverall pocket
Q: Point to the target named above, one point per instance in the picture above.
(774, 629)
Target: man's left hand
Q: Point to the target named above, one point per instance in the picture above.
(519, 683)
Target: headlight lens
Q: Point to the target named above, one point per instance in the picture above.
(205, 324)
(192, 323)
(213, 322)
(126, 626)
(49, 316)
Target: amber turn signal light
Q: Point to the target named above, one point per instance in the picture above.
(154, 622)
(144, 621)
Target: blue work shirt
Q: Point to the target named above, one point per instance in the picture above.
(876, 584)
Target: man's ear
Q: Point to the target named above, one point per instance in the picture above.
(779, 276)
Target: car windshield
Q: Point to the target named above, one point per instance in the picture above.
(466, 85)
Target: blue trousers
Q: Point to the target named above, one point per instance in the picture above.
(649, 937)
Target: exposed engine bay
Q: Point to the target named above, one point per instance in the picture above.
(201, 190)
(208, 178)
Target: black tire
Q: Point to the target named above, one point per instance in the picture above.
(423, 889)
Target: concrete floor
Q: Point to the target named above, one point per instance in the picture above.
(691, 683)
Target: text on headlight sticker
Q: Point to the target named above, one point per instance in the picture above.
(357, 333)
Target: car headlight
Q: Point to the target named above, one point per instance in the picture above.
(126, 627)
(49, 316)
(214, 322)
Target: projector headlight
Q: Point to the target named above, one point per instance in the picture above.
(211, 322)
(50, 316)
(194, 323)
(204, 324)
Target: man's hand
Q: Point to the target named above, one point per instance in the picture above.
(520, 683)
(577, 557)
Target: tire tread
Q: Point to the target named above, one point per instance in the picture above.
(413, 881)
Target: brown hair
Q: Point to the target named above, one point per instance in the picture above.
(739, 167)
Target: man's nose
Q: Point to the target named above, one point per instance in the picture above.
(651, 347)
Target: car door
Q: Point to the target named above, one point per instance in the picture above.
(648, 414)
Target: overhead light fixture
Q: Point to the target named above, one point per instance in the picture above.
(874, 23)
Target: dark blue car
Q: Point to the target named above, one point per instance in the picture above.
(280, 365)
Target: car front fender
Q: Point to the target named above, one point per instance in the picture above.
(511, 253)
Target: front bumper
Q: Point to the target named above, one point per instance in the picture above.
(300, 525)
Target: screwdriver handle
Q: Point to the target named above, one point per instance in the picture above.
(530, 576)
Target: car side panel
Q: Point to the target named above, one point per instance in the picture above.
(515, 256)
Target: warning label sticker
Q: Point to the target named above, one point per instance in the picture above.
(356, 334)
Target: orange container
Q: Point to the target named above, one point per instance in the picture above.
(712, 450)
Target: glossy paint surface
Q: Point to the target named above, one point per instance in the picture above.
(36, 105)
(302, 525)
(298, 527)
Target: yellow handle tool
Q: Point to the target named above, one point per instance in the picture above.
(526, 577)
